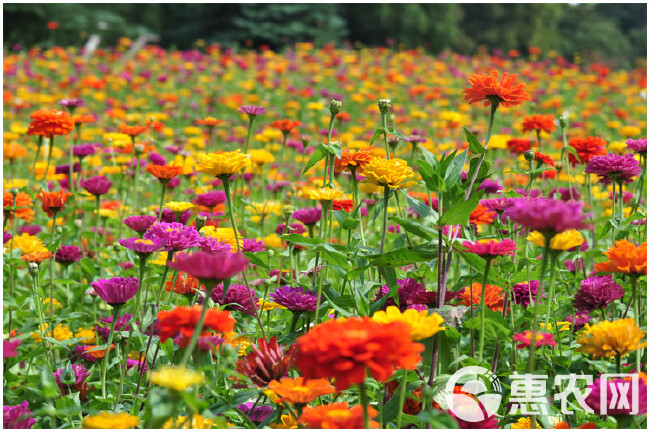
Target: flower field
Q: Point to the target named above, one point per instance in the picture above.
(322, 238)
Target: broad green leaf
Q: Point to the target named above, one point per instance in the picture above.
(458, 214)
(319, 154)
(474, 145)
(416, 228)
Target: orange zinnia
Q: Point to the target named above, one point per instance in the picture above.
(625, 257)
(13, 151)
(539, 123)
(53, 202)
(300, 391)
(209, 122)
(37, 257)
(337, 416)
(493, 296)
(285, 125)
(132, 131)
(517, 145)
(164, 172)
(359, 345)
(489, 88)
(98, 354)
(50, 123)
(353, 160)
(481, 215)
(586, 148)
(82, 118)
(185, 284)
(183, 319)
(23, 204)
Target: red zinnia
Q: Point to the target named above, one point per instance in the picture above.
(285, 125)
(343, 204)
(347, 348)
(517, 145)
(541, 339)
(489, 88)
(586, 148)
(539, 123)
(183, 319)
(50, 123)
(542, 158)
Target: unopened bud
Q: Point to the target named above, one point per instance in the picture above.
(384, 105)
(138, 149)
(58, 229)
(335, 106)
(117, 247)
(13, 190)
(200, 222)
(559, 166)
(529, 155)
(287, 211)
(563, 120)
(33, 269)
(78, 222)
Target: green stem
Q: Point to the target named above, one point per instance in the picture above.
(116, 311)
(39, 309)
(385, 219)
(635, 300)
(384, 125)
(402, 398)
(493, 110)
(639, 185)
(135, 179)
(363, 398)
(199, 326)
(488, 263)
(38, 152)
(538, 297)
(49, 156)
(565, 157)
(551, 296)
(97, 205)
(162, 199)
(161, 288)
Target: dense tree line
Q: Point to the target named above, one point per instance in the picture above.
(616, 32)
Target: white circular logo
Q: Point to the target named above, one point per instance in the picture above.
(487, 400)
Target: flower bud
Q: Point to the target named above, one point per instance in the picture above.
(58, 229)
(200, 222)
(138, 149)
(559, 166)
(117, 247)
(563, 120)
(384, 105)
(13, 190)
(335, 106)
(529, 155)
(78, 223)
(287, 211)
(33, 269)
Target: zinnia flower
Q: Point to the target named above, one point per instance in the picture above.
(337, 416)
(17, 416)
(252, 110)
(353, 161)
(50, 123)
(518, 146)
(524, 292)
(116, 291)
(238, 297)
(491, 248)
(613, 167)
(178, 237)
(37, 257)
(286, 125)
(559, 242)
(295, 298)
(53, 202)
(98, 185)
(360, 345)
(539, 123)
(625, 257)
(586, 148)
(618, 389)
(10, 347)
(143, 247)
(490, 89)
(299, 390)
(164, 173)
(393, 173)
(266, 362)
(596, 293)
(542, 339)
(176, 378)
(423, 324)
(210, 267)
(132, 131)
(610, 339)
(638, 146)
(410, 294)
(23, 206)
(547, 215)
(307, 215)
(325, 194)
(80, 374)
(107, 420)
(183, 320)
(139, 224)
(493, 296)
(223, 165)
(185, 284)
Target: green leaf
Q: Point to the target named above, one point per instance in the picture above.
(458, 214)
(406, 256)
(391, 131)
(319, 154)
(474, 146)
(333, 148)
(301, 240)
(421, 208)
(430, 177)
(452, 173)
(378, 132)
(416, 228)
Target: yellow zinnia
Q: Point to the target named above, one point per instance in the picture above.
(524, 423)
(394, 173)
(560, 242)
(176, 378)
(261, 157)
(181, 422)
(325, 194)
(178, 207)
(28, 244)
(222, 164)
(422, 324)
(61, 333)
(611, 339)
(106, 420)
(88, 335)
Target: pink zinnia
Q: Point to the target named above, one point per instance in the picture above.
(542, 339)
(491, 248)
(547, 215)
(211, 268)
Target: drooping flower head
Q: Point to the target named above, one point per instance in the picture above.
(98, 185)
(266, 362)
(625, 257)
(212, 268)
(610, 339)
(361, 345)
(586, 148)
(490, 89)
(177, 236)
(613, 167)
(50, 123)
(547, 215)
(223, 165)
(393, 173)
(596, 293)
(295, 298)
(116, 291)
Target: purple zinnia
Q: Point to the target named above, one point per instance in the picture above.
(30, 229)
(295, 298)
(639, 146)
(409, 293)
(212, 245)
(617, 389)
(294, 228)
(238, 297)
(157, 159)
(547, 215)
(565, 193)
(72, 103)
(121, 324)
(252, 245)
(139, 224)
(178, 236)
(210, 199)
(307, 215)
(65, 169)
(490, 186)
(97, 185)
(613, 167)
(578, 319)
(68, 254)
(116, 291)
(210, 268)
(252, 110)
(6, 236)
(596, 293)
(168, 216)
(18, 416)
(524, 292)
(83, 150)
(257, 414)
(498, 205)
(143, 247)
(80, 375)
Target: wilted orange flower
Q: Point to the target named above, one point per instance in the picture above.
(625, 257)
(83, 118)
(587, 148)
(23, 204)
(359, 345)
(53, 201)
(517, 145)
(285, 125)
(539, 122)
(13, 151)
(300, 391)
(489, 88)
(50, 123)
(481, 215)
(37, 257)
(183, 319)
(337, 416)
(209, 122)
(164, 172)
(493, 296)
(353, 160)
(185, 284)
(132, 131)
